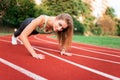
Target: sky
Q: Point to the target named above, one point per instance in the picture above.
(98, 7)
(116, 5)
(37, 2)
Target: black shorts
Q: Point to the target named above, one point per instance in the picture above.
(22, 27)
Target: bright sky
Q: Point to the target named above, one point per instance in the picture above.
(38, 2)
(112, 3)
(98, 7)
(116, 5)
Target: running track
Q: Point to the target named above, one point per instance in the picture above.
(87, 63)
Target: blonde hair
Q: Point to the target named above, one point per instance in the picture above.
(65, 36)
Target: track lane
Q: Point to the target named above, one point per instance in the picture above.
(86, 46)
(91, 63)
(83, 51)
(65, 70)
(113, 67)
(7, 73)
(54, 47)
(60, 69)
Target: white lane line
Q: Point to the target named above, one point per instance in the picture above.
(110, 61)
(22, 70)
(105, 60)
(108, 51)
(75, 54)
(118, 50)
(4, 40)
(97, 52)
(45, 40)
(80, 66)
(79, 48)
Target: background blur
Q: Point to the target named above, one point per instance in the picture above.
(91, 17)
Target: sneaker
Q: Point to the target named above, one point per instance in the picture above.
(14, 40)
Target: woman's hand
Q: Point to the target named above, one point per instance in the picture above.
(38, 56)
(65, 53)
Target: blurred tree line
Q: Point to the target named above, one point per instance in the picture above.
(13, 12)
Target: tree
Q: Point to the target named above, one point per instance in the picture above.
(4, 5)
(75, 8)
(118, 27)
(108, 25)
(110, 11)
(78, 27)
(18, 10)
(88, 18)
(55, 7)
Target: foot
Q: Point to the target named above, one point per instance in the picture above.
(14, 40)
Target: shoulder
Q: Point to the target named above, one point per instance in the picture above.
(39, 20)
(43, 16)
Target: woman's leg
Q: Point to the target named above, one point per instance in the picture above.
(20, 29)
(22, 26)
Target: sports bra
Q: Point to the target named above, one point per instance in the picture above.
(43, 29)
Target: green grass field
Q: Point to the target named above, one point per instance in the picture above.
(111, 42)
(105, 41)
(4, 30)
(3, 34)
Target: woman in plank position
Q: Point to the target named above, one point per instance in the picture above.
(61, 24)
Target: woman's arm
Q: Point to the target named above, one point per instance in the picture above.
(26, 32)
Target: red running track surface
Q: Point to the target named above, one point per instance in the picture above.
(88, 62)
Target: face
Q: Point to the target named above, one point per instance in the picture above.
(59, 25)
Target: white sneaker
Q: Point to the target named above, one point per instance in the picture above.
(14, 40)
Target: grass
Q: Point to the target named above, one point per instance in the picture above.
(3, 34)
(105, 41)
(5, 30)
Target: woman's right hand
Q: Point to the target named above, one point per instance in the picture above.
(38, 56)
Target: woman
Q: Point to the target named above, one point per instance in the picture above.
(62, 25)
